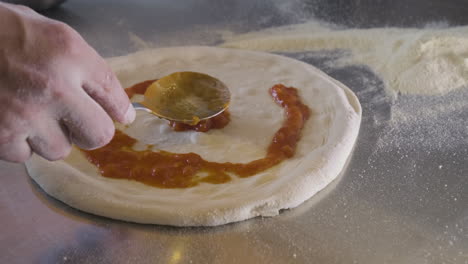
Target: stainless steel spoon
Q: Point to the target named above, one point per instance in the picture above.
(187, 97)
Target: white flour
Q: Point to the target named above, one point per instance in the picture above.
(416, 61)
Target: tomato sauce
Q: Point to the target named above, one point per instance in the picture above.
(217, 122)
(173, 170)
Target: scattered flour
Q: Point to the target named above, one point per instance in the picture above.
(410, 61)
(432, 123)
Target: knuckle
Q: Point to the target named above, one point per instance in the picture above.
(27, 115)
(61, 29)
(39, 81)
(105, 84)
(62, 35)
(109, 83)
(58, 94)
(33, 84)
(45, 89)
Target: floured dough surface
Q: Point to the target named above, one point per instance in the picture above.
(326, 143)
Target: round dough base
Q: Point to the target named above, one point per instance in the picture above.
(326, 143)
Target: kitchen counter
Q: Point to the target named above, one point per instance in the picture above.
(394, 203)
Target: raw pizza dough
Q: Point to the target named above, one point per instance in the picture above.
(327, 141)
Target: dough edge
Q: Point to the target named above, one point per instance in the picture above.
(61, 181)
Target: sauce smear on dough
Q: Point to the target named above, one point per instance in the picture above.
(172, 170)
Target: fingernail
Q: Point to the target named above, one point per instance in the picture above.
(130, 114)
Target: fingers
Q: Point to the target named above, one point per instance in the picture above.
(106, 90)
(50, 140)
(88, 124)
(16, 151)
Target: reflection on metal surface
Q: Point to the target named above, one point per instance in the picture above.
(176, 256)
(177, 251)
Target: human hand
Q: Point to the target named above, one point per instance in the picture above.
(55, 90)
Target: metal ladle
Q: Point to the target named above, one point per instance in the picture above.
(187, 97)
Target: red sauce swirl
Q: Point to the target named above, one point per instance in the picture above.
(172, 170)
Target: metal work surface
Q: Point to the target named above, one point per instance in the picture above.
(398, 201)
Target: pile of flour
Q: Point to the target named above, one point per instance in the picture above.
(410, 61)
(427, 65)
